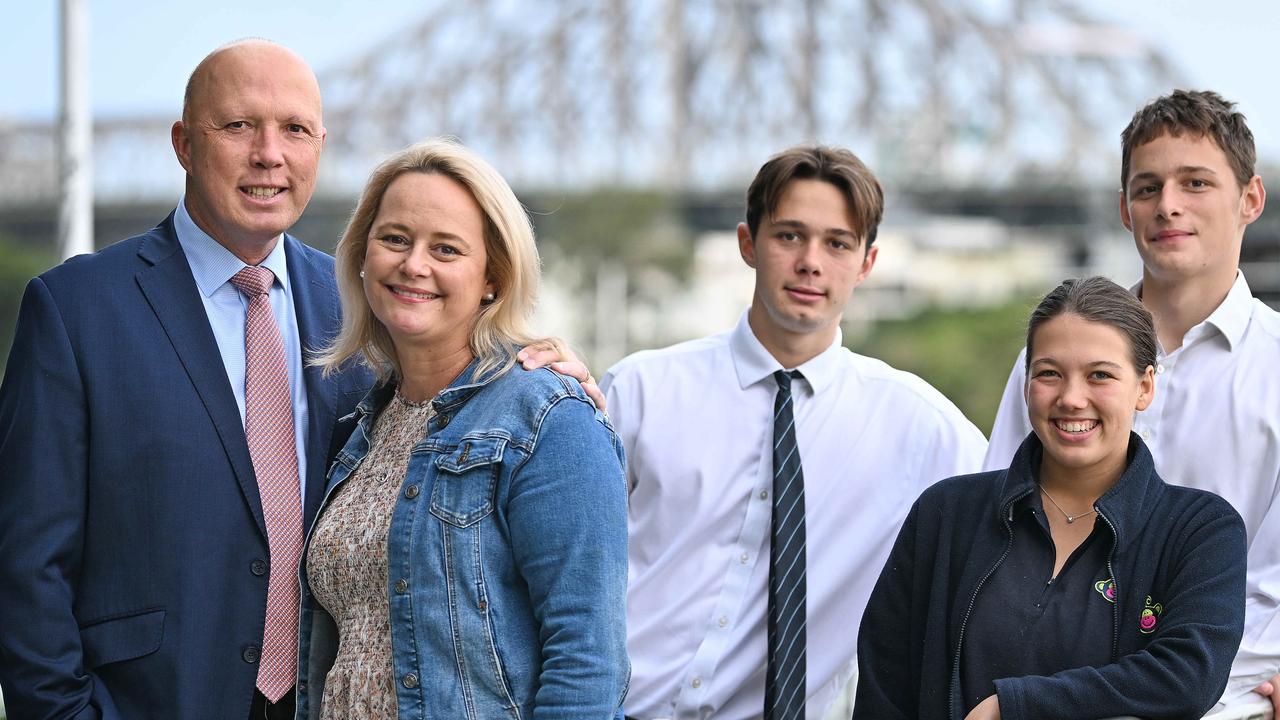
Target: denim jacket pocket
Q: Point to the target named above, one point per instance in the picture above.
(466, 479)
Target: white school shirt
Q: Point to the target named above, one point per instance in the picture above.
(696, 421)
(1214, 425)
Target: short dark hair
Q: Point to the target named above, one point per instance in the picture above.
(1099, 300)
(837, 166)
(1203, 113)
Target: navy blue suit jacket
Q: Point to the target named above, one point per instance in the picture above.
(133, 553)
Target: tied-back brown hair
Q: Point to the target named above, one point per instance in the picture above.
(1099, 300)
(1202, 113)
(836, 166)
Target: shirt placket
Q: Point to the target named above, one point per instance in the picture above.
(746, 552)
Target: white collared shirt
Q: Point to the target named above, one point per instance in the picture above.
(696, 422)
(1214, 425)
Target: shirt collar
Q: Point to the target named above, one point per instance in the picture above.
(1231, 317)
(753, 362)
(212, 265)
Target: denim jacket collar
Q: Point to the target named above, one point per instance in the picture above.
(1126, 506)
(457, 393)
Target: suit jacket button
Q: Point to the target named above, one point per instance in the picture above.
(251, 654)
(410, 681)
(258, 567)
(411, 492)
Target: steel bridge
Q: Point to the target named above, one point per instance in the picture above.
(694, 94)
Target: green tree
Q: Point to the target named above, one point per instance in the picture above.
(964, 353)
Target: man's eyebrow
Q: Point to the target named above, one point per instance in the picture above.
(1181, 170)
(796, 224)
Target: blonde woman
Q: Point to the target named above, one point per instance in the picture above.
(469, 559)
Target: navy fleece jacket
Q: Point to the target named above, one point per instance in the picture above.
(1178, 561)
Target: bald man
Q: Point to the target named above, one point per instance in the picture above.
(135, 552)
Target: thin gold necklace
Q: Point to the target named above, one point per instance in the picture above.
(1070, 518)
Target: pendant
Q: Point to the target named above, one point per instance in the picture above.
(1071, 519)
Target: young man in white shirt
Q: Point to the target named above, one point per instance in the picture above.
(722, 620)
(1188, 191)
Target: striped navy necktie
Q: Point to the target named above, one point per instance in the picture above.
(784, 692)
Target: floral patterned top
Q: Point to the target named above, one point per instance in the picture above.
(347, 567)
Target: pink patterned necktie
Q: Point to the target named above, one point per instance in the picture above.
(268, 425)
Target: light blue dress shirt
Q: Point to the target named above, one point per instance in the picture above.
(213, 266)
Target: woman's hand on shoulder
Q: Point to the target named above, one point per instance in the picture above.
(557, 356)
(988, 709)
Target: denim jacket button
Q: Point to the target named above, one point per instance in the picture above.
(402, 586)
(410, 681)
(444, 420)
(302, 687)
(411, 492)
(484, 604)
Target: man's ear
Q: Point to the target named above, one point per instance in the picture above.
(1124, 212)
(746, 245)
(1253, 200)
(181, 144)
(868, 262)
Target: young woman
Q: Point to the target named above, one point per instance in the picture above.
(1076, 583)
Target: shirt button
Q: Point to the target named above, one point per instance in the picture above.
(258, 567)
(744, 558)
(1146, 434)
(251, 654)
(764, 494)
(697, 682)
(723, 621)
(411, 492)
(402, 586)
(410, 681)
(1160, 368)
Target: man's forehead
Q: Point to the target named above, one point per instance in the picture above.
(807, 195)
(224, 77)
(1179, 152)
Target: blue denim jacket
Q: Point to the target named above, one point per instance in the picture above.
(507, 557)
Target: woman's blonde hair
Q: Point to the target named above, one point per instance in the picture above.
(513, 265)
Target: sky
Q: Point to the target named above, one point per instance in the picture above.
(141, 51)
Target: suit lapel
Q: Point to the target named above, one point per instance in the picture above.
(170, 289)
(315, 302)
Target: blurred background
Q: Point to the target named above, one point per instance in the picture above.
(631, 128)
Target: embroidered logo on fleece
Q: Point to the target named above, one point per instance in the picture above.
(1150, 616)
(1107, 589)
